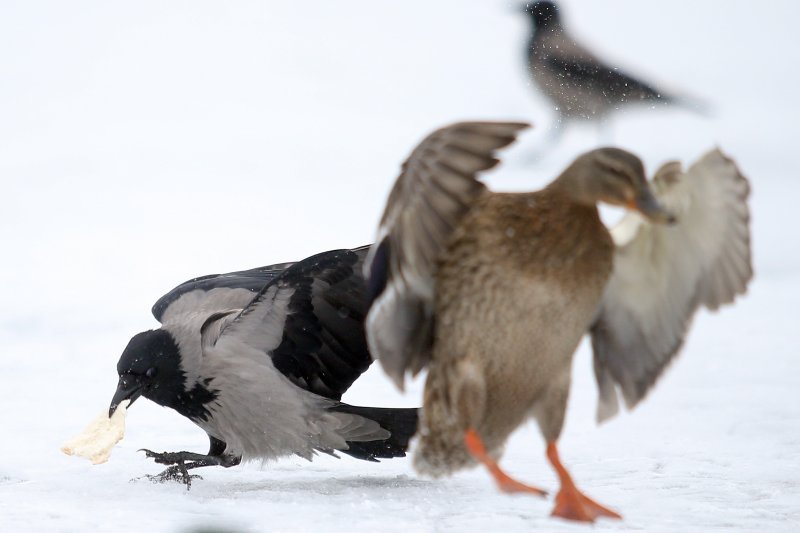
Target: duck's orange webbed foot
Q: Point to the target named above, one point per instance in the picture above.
(571, 503)
(504, 482)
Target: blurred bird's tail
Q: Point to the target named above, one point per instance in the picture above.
(401, 423)
(692, 103)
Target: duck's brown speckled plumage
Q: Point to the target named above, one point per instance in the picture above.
(494, 377)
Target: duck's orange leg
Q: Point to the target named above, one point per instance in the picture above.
(504, 482)
(571, 503)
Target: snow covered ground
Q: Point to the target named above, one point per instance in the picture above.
(144, 143)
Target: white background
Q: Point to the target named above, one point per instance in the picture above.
(145, 143)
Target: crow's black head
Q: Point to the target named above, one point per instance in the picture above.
(150, 366)
(543, 14)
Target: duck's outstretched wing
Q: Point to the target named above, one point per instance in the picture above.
(662, 274)
(436, 187)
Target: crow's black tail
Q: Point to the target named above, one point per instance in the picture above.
(400, 422)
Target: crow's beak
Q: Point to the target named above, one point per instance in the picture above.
(647, 205)
(128, 388)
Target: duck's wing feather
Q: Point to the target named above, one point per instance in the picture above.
(309, 320)
(662, 274)
(436, 187)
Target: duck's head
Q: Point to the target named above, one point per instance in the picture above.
(615, 177)
(542, 13)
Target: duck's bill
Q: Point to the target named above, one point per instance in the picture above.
(128, 388)
(651, 208)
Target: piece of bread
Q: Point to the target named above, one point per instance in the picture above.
(96, 441)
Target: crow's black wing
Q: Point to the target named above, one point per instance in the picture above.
(310, 321)
(199, 291)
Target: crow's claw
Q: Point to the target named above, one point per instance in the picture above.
(164, 458)
(174, 473)
(182, 462)
(178, 472)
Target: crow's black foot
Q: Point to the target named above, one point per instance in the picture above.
(180, 470)
(182, 462)
(174, 473)
(173, 458)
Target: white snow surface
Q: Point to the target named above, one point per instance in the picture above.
(145, 143)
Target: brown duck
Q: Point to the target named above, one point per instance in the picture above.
(493, 292)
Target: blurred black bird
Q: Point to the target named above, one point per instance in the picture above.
(580, 85)
(259, 359)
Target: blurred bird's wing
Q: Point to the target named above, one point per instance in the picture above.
(309, 320)
(662, 274)
(215, 292)
(576, 65)
(436, 187)
(586, 71)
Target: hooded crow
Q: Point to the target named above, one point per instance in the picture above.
(580, 85)
(259, 359)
